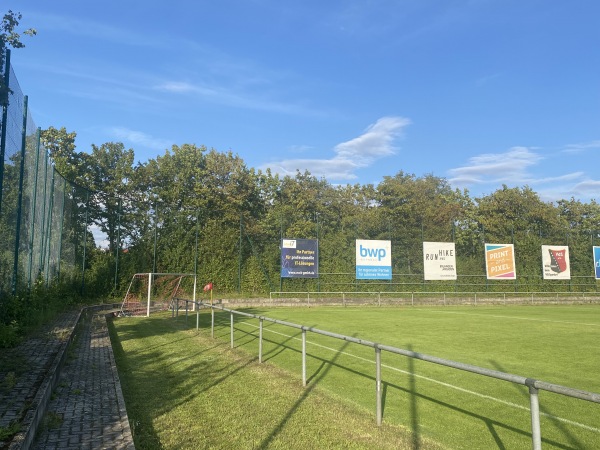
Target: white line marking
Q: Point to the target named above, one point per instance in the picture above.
(441, 383)
(514, 317)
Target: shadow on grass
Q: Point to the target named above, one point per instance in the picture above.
(523, 391)
(178, 391)
(279, 427)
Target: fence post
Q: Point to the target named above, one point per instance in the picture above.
(212, 321)
(260, 339)
(536, 435)
(379, 299)
(303, 357)
(231, 327)
(378, 383)
(20, 199)
(197, 308)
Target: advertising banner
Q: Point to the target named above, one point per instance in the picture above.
(373, 260)
(299, 258)
(597, 262)
(555, 262)
(439, 261)
(500, 262)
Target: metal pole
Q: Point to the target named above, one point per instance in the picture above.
(212, 322)
(33, 208)
(260, 339)
(197, 316)
(231, 327)
(87, 208)
(20, 198)
(4, 123)
(196, 260)
(155, 238)
(303, 357)
(378, 384)
(149, 294)
(117, 244)
(536, 435)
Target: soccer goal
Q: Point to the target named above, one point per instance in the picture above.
(156, 291)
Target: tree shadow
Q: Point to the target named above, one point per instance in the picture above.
(545, 411)
(323, 369)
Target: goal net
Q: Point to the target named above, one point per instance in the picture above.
(149, 292)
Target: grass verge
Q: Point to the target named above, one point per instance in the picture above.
(184, 389)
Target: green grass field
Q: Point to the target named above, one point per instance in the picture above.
(558, 344)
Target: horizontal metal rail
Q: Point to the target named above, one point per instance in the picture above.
(533, 384)
(525, 296)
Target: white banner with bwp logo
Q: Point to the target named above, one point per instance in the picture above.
(373, 260)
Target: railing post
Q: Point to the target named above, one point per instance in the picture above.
(536, 435)
(303, 357)
(197, 308)
(378, 383)
(260, 339)
(212, 321)
(231, 327)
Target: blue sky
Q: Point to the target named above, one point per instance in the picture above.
(480, 92)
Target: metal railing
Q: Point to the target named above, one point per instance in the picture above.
(533, 385)
(413, 297)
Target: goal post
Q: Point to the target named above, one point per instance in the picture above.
(149, 291)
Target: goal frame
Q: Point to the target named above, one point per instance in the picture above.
(151, 276)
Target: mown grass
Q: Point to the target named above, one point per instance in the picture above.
(184, 389)
(459, 409)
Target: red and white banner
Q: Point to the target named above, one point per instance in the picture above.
(555, 262)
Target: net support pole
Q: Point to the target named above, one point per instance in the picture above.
(149, 292)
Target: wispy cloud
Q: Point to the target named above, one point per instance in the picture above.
(139, 138)
(48, 22)
(583, 146)
(236, 96)
(495, 168)
(515, 168)
(375, 143)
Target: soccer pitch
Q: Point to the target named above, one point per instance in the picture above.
(557, 344)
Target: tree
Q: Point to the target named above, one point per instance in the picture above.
(9, 37)
(108, 174)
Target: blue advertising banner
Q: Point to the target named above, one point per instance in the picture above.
(597, 262)
(299, 258)
(373, 260)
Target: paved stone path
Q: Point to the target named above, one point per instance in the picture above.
(85, 410)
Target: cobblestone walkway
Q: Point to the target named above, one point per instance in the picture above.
(86, 408)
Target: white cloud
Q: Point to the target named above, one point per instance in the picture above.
(581, 147)
(495, 168)
(513, 168)
(375, 143)
(139, 137)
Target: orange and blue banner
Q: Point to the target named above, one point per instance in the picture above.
(500, 262)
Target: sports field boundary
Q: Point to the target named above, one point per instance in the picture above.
(533, 385)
